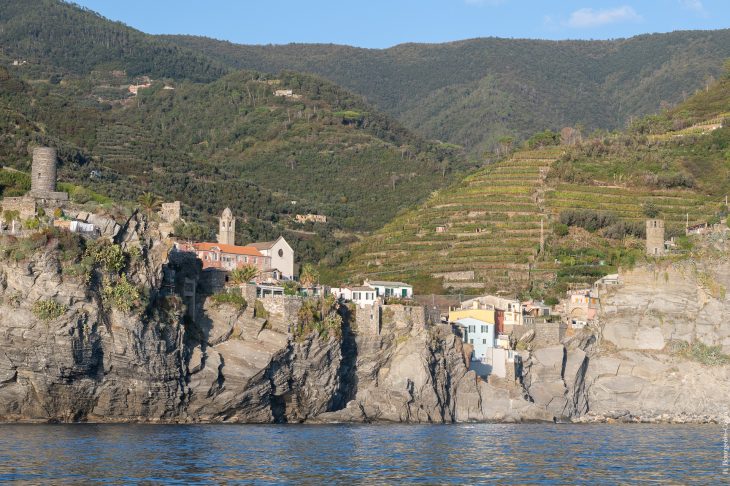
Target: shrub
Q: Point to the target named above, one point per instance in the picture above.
(291, 287)
(622, 229)
(587, 219)
(109, 256)
(560, 229)
(47, 310)
(320, 315)
(259, 310)
(700, 352)
(121, 294)
(230, 298)
(650, 210)
(551, 301)
(32, 223)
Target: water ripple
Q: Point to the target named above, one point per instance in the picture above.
(347, 454)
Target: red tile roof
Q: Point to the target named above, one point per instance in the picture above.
(230, 249)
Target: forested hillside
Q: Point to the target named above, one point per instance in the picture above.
(588, 200)
(205, 137)
(475, 92)
(52, 36)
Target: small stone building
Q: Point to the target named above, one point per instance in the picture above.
(655, 237)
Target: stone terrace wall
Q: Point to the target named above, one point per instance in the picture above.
(404, 316)
(546, 333)
(282, 309)
(26, 206)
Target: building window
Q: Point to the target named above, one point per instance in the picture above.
(472, 328)
(484, 341)
(281, 253)
(484, 329)
(471, 341)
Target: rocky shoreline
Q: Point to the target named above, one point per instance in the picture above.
(228, 364)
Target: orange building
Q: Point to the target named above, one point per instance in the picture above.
(227, 257)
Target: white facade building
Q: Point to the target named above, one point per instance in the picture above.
(281, 254)
(343, 293)
(391, 289)
(364, 295)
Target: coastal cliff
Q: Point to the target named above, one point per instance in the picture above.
(74, 350)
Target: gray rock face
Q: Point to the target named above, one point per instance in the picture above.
(222, 364)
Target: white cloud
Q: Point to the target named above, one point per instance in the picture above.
(694, 5)
(588, 17)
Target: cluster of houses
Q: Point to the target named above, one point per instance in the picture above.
(274, 260)
(371, 291)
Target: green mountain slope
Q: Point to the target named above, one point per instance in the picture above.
(232, 143)
(587, 202)
(53, 36)
(473, 92)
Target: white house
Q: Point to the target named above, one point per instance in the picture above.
(344, 293)
(364, 295)
(391, 289)
(478, 333)
(281, 254)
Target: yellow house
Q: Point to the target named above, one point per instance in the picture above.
(484, 315)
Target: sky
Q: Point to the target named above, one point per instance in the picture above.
(384, 23)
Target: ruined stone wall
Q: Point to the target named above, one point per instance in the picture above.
(403, 317)
(26, 206)
(546, 333)
(283, 310)
(170, 212)
(211, 281)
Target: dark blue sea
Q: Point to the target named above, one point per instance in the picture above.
(362, 454)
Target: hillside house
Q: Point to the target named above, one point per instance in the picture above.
(581, 307)
(536, 308)
(341, 293)
(479, 334)
(364, 295)
(608, 280)
(391, 289)
(226, 257)
(280, 255)
(508, 313)
(474, 309)
(310, 218)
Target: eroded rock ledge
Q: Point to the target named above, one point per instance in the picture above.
(162, 363)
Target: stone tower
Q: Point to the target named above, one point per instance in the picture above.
(655, 237)
(43, 178)
(227, 228)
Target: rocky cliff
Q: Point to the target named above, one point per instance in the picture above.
(93, 356)
(74, 346)
(659, 351)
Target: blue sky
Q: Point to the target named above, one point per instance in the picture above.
(383, 23)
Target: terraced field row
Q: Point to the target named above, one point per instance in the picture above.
(674, 206)
(489, 225)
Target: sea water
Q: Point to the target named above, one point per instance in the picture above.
(363, 454)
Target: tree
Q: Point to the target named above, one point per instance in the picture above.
(650, 210)
(149, 202)
(309, 275)
(244, 274)
(505, 145)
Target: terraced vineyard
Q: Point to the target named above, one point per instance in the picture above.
(674, 205)
(484, 234)
(480, 235)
